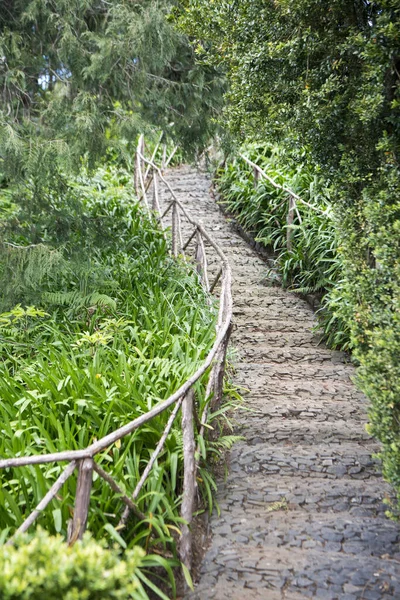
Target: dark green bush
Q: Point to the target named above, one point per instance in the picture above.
(371, 304)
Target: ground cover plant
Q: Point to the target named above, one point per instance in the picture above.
(98, 324)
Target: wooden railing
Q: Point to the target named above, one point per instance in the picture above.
(293, 199)
(148, 177)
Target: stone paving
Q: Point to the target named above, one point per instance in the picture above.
(302, 508)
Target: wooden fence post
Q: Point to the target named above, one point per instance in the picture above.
(201, 260)
(138, 164)
(189, 481)
(174, 230)
(82, 500)
(136, 174)
(219, 380)
(142, 150)
(289, 222)
(155, 204)
(199, 255)
(257, 177)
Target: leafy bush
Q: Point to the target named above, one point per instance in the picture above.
(371, 303)
(43, 566)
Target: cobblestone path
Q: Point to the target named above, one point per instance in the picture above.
(302, 513)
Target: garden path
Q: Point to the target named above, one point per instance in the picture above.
(302, 513)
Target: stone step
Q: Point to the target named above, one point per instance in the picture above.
(242, 270)
(279, 325)
(243, 337)
(263, 286)
(244, 267)
(241, 283)
(279, 374)
(242, 490)
(236, 249)
(191, 182)
(241, 257)
(258, 430)
(315, 409)
(246, 271)
(229, 586)
(284, 300)
(259, 353)
(293, 390)
(253, 311)
(291, 571)
(187, 185)
(350, 460)
(328, 532)
(267, 288)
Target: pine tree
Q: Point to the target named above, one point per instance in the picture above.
(76, 73)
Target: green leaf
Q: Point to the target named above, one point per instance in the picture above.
(187, 576)
(115, 535)
(57, 517)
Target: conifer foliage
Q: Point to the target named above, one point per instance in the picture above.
(75, 73)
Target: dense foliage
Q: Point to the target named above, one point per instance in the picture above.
(326, 77)
(78, 77)
(44, 567)
(98, 324)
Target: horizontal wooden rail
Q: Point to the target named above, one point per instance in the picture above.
(278, 186)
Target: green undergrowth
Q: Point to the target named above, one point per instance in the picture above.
(313, 264)
(98, 325)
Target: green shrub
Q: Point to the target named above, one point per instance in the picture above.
(371, 303)
(43, 567)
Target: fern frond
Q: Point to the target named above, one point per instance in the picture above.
(76, 300)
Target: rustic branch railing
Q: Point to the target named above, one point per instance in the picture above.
(148, 175)
(293, 199)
